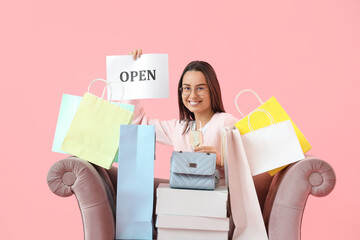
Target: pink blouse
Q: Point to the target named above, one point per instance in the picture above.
(170, 132)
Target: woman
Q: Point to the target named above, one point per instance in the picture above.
(200, 102)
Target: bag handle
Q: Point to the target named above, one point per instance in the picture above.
(241, 92)
(122, 92)
(108, 84)
(260, 110)
(102, 80)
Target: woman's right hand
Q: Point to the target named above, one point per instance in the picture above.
(136, 53)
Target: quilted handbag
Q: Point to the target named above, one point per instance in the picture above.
(193, 170)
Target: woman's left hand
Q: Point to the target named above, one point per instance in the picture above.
(209, 149)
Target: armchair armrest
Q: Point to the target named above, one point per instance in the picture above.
(76, 176)
(289, 191)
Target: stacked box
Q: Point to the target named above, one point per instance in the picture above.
(191, 214)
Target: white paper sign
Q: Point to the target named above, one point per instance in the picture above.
(146, 77)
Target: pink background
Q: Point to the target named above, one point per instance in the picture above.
(306, 53)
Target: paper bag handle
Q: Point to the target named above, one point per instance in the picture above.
(102, 80)
(241, 92)
(260, 110)
(123, 89)
(108, 83)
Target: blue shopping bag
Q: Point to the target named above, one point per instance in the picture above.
(68, 108)
(135, 187)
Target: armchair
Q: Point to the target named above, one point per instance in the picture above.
(282, 197)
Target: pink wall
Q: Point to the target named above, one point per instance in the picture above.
(306, 53)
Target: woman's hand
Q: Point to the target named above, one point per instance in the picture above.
(210, 149)
(136, 53)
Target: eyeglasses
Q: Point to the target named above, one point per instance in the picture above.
(186, 91)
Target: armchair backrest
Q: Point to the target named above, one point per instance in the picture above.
(262, 183)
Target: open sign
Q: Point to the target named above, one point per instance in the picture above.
(141, 75)
(146, 77)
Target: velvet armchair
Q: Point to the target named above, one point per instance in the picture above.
(282, 197)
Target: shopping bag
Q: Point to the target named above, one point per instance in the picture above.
(244, 204)
(272, 146)
(94, 131)
(68, 107)
(135, 186)
(279, 115)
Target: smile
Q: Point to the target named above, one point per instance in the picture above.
(194, 103)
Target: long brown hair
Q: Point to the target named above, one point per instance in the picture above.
(213, 86)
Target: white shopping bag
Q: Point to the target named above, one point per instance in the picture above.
(271, 147)
(146, 77)
(244, 204)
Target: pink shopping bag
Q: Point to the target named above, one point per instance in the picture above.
(245, 207)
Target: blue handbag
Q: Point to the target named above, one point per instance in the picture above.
(193, 170)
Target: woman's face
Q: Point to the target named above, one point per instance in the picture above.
(198, 101)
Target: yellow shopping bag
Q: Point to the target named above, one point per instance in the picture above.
(94, 132)
(258, 121)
